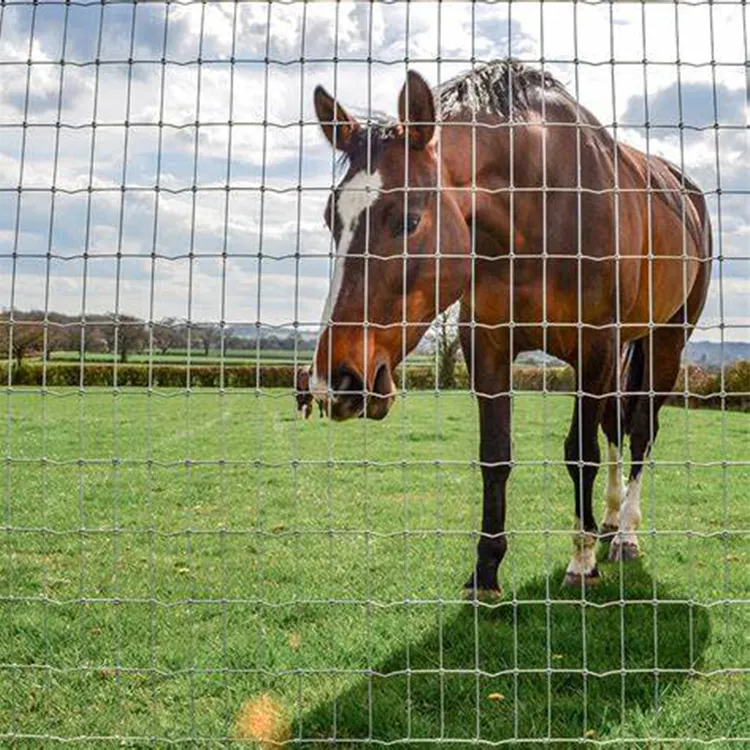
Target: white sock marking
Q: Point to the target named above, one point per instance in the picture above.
(354, 198)
(584, 556)
(616, 488)
(630, 512)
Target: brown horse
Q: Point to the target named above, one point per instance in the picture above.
(553, 236)
(303, 396)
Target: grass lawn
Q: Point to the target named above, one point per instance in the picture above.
(165, 558)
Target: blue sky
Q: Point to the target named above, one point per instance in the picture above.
(286, 221)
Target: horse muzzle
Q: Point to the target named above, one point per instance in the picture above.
(349, 398)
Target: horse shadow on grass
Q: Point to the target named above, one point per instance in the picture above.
(574, 668)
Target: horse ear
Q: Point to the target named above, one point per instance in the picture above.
(338, 126)
(417, 105)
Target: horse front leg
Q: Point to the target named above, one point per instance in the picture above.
(491, 381)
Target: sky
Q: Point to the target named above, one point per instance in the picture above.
(277, 249)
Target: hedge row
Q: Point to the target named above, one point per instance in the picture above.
(158, 376)
(704, 387)
(418, 377)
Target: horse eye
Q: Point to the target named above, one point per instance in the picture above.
(412, 222)
(407, 225)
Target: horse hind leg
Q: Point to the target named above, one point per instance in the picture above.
(615, 493)
(642, 410)
(615, 422)
(582, 459)
(643, 427)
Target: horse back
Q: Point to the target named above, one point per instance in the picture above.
(675, 243)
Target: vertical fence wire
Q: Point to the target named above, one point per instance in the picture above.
(203, 566)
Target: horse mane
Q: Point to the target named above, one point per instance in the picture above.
(380, 128)
(505, 87)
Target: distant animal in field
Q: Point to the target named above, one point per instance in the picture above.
(303, 395)
(500, 191)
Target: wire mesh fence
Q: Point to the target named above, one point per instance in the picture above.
(217, 252)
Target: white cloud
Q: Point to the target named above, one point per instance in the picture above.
(282, 94)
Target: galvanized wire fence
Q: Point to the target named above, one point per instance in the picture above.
(184, 559)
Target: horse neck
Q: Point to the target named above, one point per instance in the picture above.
(489, 166)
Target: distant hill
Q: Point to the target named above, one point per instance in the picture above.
(711, 353)
(705, 353)
(281, 332)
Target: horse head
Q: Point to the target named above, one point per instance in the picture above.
(402, 251)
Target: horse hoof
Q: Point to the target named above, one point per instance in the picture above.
(607, 532)
(623, 551)
(576, 580)
(487, 596)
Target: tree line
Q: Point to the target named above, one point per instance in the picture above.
(36, 333)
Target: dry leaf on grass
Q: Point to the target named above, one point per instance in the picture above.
(264, 720)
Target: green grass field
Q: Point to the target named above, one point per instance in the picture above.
(165, 558)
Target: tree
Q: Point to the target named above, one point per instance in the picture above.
(168, 334)
(442, 341)
(22, 335)
(125, 334)
(448, 346)
(94, 338)
(57, 331)
(209, 335)
(245, 343)
(232, 340)
(67, 336)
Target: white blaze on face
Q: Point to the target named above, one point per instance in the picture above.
(354, 199)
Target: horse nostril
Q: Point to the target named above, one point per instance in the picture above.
(346, 382)
(381, 385)
(347, 390)
(382, 393)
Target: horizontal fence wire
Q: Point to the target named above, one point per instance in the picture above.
(210, 269)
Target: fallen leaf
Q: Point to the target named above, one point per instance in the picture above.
(265, 721)
(496, 697)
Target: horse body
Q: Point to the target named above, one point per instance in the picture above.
(570, 242)
(552, 236)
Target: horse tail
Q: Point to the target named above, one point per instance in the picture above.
(634, 370)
